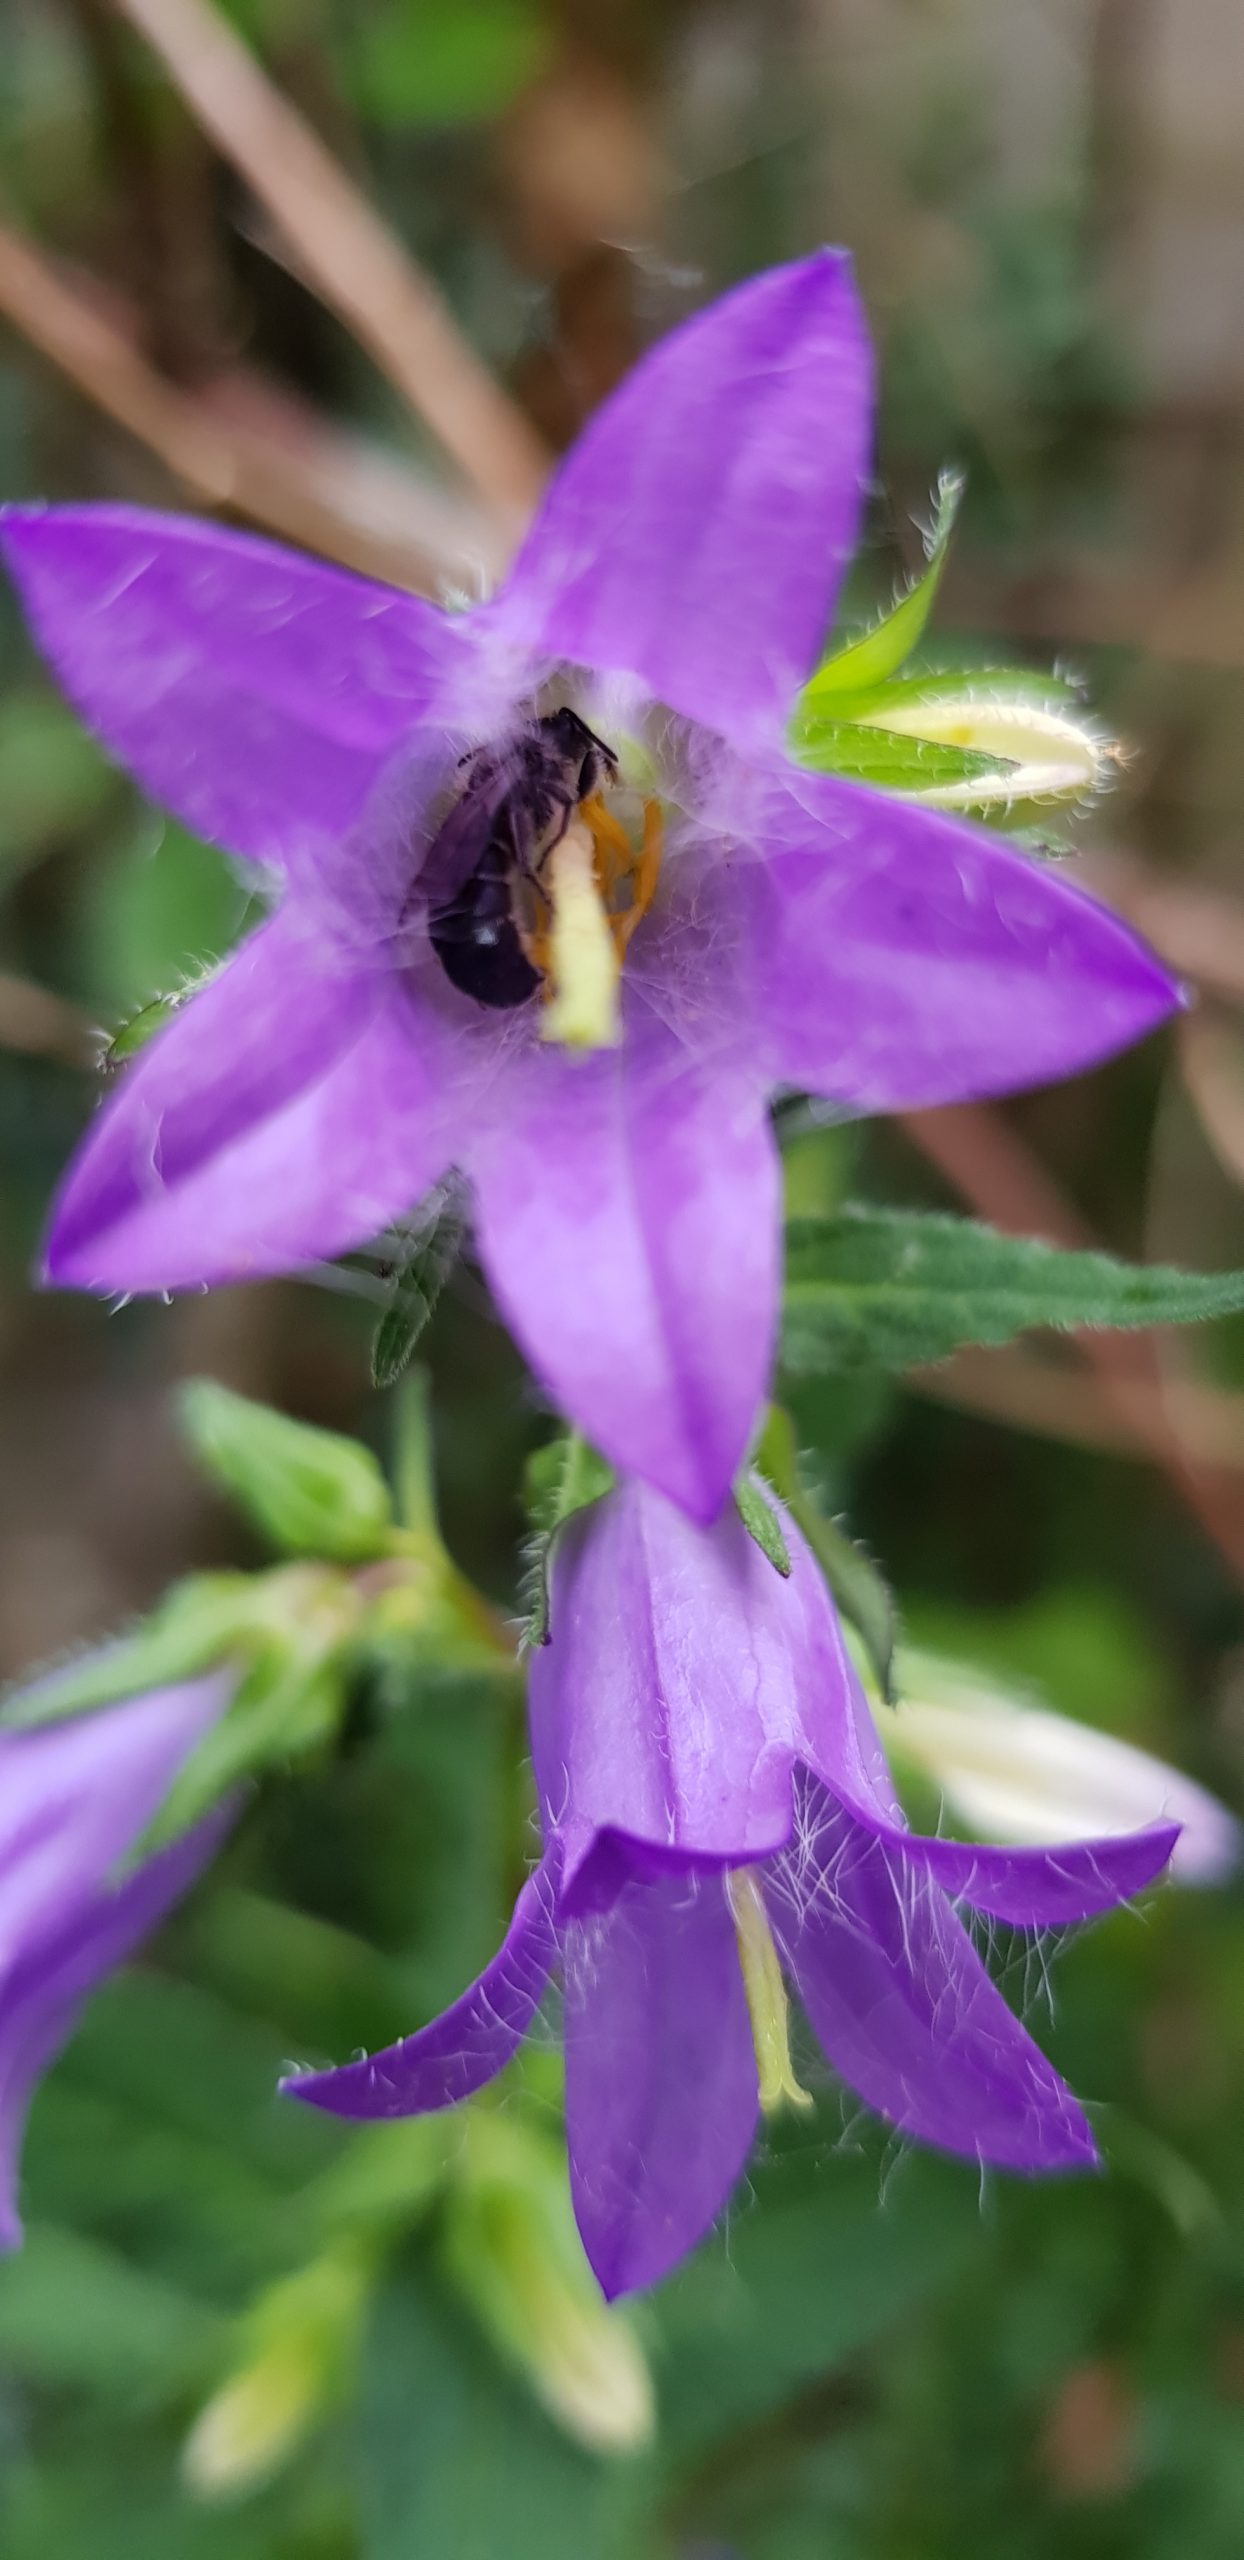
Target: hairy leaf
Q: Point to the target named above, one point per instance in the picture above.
(893, 1289)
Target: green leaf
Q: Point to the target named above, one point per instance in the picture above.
(311, 1492)
(446, 61)
(761, 1523)
(893, 1289)
(879, 652)
(563, 1477)
(417, 1285)
(456, 2458)
(815, 2269)
(53, 779)
(74, 2314)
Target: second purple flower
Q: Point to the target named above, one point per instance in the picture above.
(718, 1820)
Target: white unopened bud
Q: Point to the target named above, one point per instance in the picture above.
(1046, 752)
(1014, 1771)
(512, 2249)
(298, 2345)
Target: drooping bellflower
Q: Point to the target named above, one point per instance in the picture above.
(556, 905)
(75, 1797)
(718, 1818)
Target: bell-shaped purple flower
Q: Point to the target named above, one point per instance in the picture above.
(717, 1814)
(74, 1799)
(578, 791)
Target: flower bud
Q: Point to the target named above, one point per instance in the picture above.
(313, 1493)
(512, 2250)
(298, 2346)
(1013, 1770)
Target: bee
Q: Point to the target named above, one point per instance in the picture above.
(480, 884)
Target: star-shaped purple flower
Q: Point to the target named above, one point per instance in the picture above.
(717, 1812)
(74, 1799)
(465, 813)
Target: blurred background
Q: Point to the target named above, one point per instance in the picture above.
(879, 2360)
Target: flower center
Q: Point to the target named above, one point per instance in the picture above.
(534, 886)
(765, 1992)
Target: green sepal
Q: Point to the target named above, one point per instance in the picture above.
(312, 1492)
(388, 2177)
(141, 1026)
(563, 1477)
(416, 1287)
(879, 652)
(860, 1591)
(196, 1627)
(857, 1585)
(889, 761)
(761, 1523)
(1038, 688)
(894, 1289)
(287, 1709)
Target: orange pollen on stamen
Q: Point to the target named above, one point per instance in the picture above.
(626, 876)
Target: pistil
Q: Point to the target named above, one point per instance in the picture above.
(595, 886)
(765, 1992)
(584, 963)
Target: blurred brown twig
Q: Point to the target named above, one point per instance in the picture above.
(988, 1163)
(346, 252)
(239, 442)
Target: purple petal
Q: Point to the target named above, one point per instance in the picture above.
(627, 1215)
(666, 1708)
(660, 2075)
(255, 693)
(468, 2044)
(1043, 1888)
(291, 1111)
(41, 2002)
(904, 959)
(75, 1795)
(903, 2007)
(695, 536)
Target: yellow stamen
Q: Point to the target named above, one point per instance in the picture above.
(645, 874)
(766, 1995)
(584, 962)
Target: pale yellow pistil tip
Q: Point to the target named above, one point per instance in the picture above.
(765, 1992)
(584, 963)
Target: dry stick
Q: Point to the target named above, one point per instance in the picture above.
(290, 483)
(1033, 1391)
(346, 251)
(1001, 1179)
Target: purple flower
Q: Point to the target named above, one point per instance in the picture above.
(74, 1799)
(717, 1813)
(461, 809)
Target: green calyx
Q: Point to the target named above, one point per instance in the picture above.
(999, 743)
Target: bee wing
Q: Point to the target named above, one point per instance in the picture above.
(471, 825)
